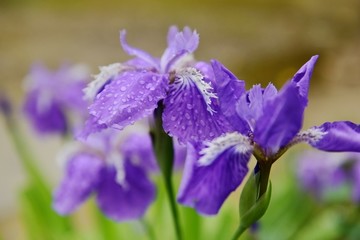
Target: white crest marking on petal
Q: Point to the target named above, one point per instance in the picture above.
(312, 135)
(218, 145)
(106, 72)
(189, 76)
(117, 161)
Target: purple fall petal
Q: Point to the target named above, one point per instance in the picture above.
(206, 187)
(128, 201)
(281, 120)
(131, 96)
(190, 113)
(49, 118)
(80, 180)
(334, 137)
(302, 78)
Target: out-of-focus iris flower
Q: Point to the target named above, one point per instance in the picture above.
(125, 92)
(115, 170)
(265, 123)
(54, 100)
(322, 173)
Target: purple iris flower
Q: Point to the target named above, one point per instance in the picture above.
(265, 123)
(125, 92)
(53, 98)
(321, 173)
(116, 171)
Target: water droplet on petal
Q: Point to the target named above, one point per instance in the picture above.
(123, 88)
(189, 106)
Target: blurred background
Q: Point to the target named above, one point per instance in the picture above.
(260, 41)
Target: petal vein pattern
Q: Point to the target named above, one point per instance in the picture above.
(188, 76)
(190, 113)
(240, 143)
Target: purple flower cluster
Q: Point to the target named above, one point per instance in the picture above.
(51, 97)
(206, 106)
(115, 170)
(202, 104)
(321, 173)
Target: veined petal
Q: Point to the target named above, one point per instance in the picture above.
(229, 90)
(137, 52)
(132, 95)
(207, 182)
(190, 111)
(81, 178)
(128, 201)
(302, 78)
(333, 137)
(281, 120)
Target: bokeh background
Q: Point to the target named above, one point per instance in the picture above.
(260, 41)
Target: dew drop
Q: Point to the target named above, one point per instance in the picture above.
(123, 88)
(189, 106)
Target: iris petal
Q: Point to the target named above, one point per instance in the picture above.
(229, 90)
(281, 120)
(334, 137)
(302, 78)
(45, 119)
(138, 149)
(137, 52)
(205, 187)
(131, 96)
(179, 44)
(81, 179)
(128, 201)
(190, 113)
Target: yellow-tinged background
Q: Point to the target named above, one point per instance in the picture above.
(260, 41)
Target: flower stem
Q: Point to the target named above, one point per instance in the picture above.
(25, 156)
(164, 150)
(239, 231)
(265, 168)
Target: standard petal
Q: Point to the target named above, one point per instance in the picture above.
(128, 201)
(206, 183)
(81, 178)
(138, 149)
(45, 115)
(281, 120)
(190, 112)
(302, 78)
(229, 90)
(137, 52)
(131, 96)
(333, 137)
(180, 44)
